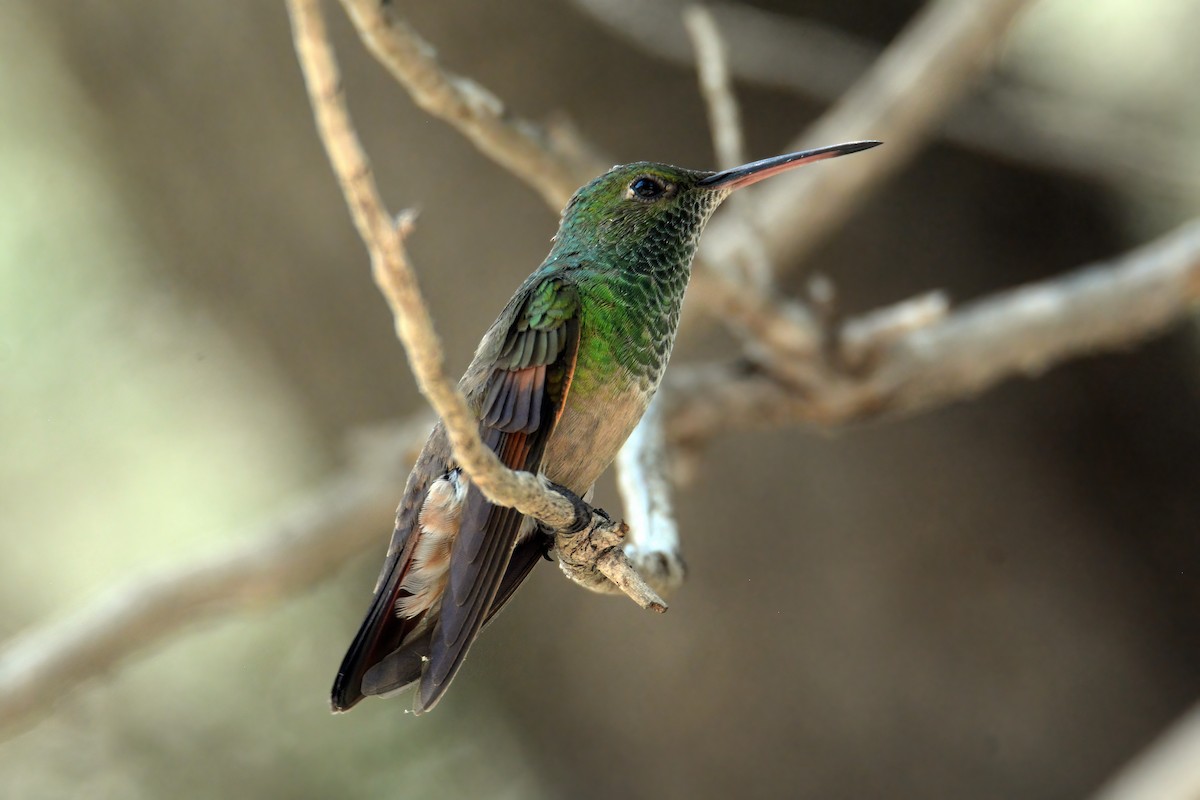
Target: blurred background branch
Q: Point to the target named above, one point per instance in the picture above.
(1036, 532)
(1005, 120)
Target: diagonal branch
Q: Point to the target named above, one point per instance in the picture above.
(1166, 770)
(1023, 331)
(912, 85)
(307, 541)
(1102, 307)
(899, 100)
(1010, 121)
(394, 275)
(528, 493)
(553, 163)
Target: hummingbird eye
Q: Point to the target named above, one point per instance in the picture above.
(647, 188)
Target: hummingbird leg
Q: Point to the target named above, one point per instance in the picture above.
(583, 512)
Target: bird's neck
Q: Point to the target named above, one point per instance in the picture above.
(631, 304)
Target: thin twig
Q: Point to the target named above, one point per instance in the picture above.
(596, 560)
(1008, 120)
(646, 497)
(1022, 331)
(724, 120)
(900, 100)
(394, 275)
(1107, 306)
(310, 539)
(553, 163)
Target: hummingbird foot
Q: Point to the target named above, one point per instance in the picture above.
(548, 534)
(583, 511)
(547, 541)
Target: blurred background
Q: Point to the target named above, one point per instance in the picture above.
(995, 600)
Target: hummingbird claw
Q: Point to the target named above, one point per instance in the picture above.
(583, 512)
(547, 537)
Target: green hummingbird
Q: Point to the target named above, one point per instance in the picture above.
(558, 383)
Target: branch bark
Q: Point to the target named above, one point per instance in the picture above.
(384, 237)
(645, 487)
(912, 85)
(393, 274)
(907, 358)
(553, 163)
(1007, 120)
(1023, 331)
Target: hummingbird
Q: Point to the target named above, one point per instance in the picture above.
(558, 383)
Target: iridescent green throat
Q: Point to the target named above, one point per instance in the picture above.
(632, 272)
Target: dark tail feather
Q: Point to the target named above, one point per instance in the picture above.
(402, 667)
(382, 631)
(398, 669)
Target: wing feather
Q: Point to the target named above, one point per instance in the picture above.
(522, 401)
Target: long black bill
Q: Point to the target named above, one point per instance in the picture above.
(756, 171)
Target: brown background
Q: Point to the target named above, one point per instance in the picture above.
(995, 600)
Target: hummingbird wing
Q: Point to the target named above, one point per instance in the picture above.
(383, 631)
(521, 375)
(521, 400)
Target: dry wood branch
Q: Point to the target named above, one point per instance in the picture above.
(307, 541)
(899, 101)
(1023, 331)
(724, 118)
(1009, 121)
(1102, 307)
(915, 364)
(394, 275)
(384, 238)
(646, 496)
(552, 163)
(596, 560)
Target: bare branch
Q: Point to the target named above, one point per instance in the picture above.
(310, 539)
(913, 83)
(864, 340)
(1023, 331)
(397, 281)
(905, 359)
(1018, 332)
(1167, 770)
(724, 118)
(646, 494)
(528, 493)
(1009, 121)
(595, 560)
(552, 163)
(907, 90)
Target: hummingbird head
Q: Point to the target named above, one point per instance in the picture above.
(648, 215)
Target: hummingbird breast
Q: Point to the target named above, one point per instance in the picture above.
(626, 334)
(591, 431)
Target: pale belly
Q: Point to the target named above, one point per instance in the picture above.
(590, 432)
